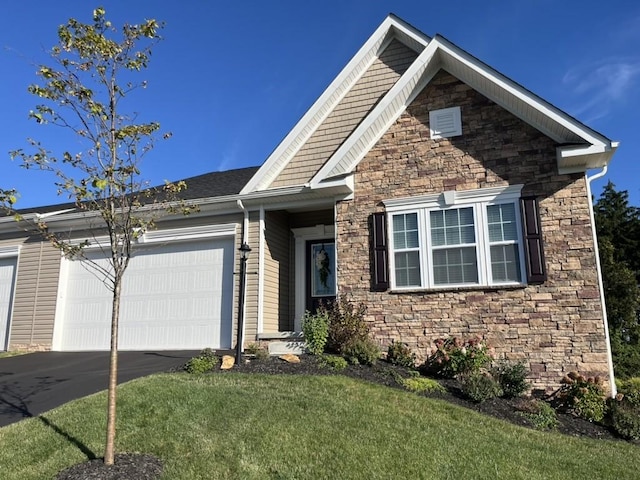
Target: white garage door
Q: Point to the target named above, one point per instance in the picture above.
(7, 280)
(176, 296)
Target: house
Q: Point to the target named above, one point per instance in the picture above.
(423, 183)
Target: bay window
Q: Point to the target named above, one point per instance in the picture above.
(456, 239)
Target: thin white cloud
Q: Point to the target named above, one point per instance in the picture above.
(599, 88)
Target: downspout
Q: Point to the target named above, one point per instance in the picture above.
(612, 380)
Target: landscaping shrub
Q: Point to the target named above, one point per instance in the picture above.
(512, 378)
(539, 413)
(630, 388)
(479, 386)
(363, 351)
(454, 356)
(333, 361)
(625, 418)
(316, 330)
(203, 363)
(400, 354)
(584, 397)
(422, 385)
(347, 325)
(257, 351)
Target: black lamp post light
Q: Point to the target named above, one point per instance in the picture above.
(244, 254)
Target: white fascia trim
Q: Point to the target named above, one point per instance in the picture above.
(188, 233)
(495, 77)
(345, 159)
(167, 236)
(451, 198)
(391, 27)
(12, 251)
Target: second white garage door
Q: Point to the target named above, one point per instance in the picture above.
(176, 296)
(7, 281)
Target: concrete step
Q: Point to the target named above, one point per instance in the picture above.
(280, 347)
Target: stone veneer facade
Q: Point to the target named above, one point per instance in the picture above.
(555, 327)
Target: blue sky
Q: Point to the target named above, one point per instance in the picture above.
(230, 79)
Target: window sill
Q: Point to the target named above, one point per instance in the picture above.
(469, 288)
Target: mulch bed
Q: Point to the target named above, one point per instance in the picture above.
(147, 467)
(383, 373)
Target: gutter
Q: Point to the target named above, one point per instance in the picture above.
(612, 379)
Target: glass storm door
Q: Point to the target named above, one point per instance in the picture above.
(321, 273)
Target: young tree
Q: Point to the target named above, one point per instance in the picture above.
(94, 70)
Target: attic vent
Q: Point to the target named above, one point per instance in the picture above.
(445, 123)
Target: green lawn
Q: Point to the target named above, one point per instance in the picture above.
(297, 427)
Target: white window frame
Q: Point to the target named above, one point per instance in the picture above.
(479, 200)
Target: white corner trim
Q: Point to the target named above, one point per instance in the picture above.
(451, 198)
(12, 251)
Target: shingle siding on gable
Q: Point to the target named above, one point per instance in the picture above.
(554, 327)
(380, 77)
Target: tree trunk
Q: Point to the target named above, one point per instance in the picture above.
(113, 377)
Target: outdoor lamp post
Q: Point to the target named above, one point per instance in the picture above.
(244, 253)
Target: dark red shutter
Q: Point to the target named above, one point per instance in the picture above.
(534, 255)
(380, 270)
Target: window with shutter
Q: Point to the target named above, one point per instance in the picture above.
(457, 239)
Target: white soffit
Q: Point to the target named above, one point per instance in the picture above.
(392, 27)
(441, 54)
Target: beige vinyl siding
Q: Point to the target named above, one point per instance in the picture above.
(276, 272)
(36, 294)
(350, 111)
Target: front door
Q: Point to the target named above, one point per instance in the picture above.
(320, 273)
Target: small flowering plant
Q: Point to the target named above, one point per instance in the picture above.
(453, 356)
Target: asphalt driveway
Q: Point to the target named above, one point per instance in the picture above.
(34, 383)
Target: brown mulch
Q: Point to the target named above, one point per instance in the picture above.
(130, 466)
(383, 373)
(126, 466)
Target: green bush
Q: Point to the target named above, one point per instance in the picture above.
(625, 418)
(257, 351)
(333, 361)
(479, 386)
(203, 363)
(422, 385)
(316, 330)
(347, 325)
(539, 413)
(584, 397)
(454, 356)
(400, 354)
(511, 377)
(630, 388)
(363, 351)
